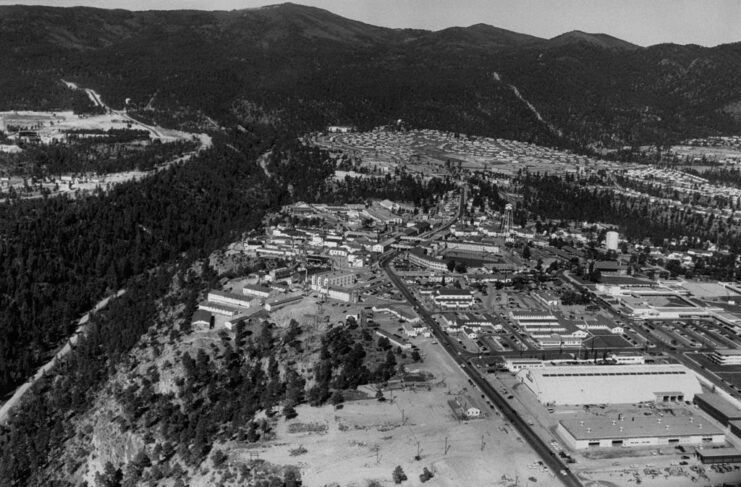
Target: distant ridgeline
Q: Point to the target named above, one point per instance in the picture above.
(309, 68)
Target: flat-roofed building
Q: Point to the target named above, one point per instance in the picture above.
(517, 364)
(280, 301)
(717, 408)
(258, 291)
(451, 298)
(230, 299)
(343, 294)
(218, 308)
(417, 256)
(637, 431)
(611, 384)
(725, 357)
(480, 247)
(718, 455)
(628, 358)
(734, 427)
(325, 280)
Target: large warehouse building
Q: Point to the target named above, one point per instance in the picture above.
(611, 384)
(639, 431)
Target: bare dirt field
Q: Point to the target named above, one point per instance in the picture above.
(366, 439)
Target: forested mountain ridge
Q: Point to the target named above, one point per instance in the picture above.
(601, 40)
(308, 66)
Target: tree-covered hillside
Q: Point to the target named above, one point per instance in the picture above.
(309, 66)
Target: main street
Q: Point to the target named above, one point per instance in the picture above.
(549, 457)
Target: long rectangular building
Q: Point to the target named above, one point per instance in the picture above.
(638, 431)
(230, 299)
(717, 407)
(418, 257)
(611, 384)
(450, 298)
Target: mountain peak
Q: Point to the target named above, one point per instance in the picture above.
(604, 41)
(478, 36)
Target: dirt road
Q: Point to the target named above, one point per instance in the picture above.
(81, 329)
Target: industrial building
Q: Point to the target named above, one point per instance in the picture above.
(717, 408)
(638, 431)
(611, 384)
(718, 455)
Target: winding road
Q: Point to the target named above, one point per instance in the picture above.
(82, 326)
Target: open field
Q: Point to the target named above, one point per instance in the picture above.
(367, 439)
(53, 125)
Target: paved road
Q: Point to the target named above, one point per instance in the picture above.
(546, 453)
(81, 329)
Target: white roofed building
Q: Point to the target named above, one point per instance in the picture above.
(611, 384)
(450, 298)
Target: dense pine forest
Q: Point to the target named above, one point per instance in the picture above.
(101, 155)
(59, 256)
